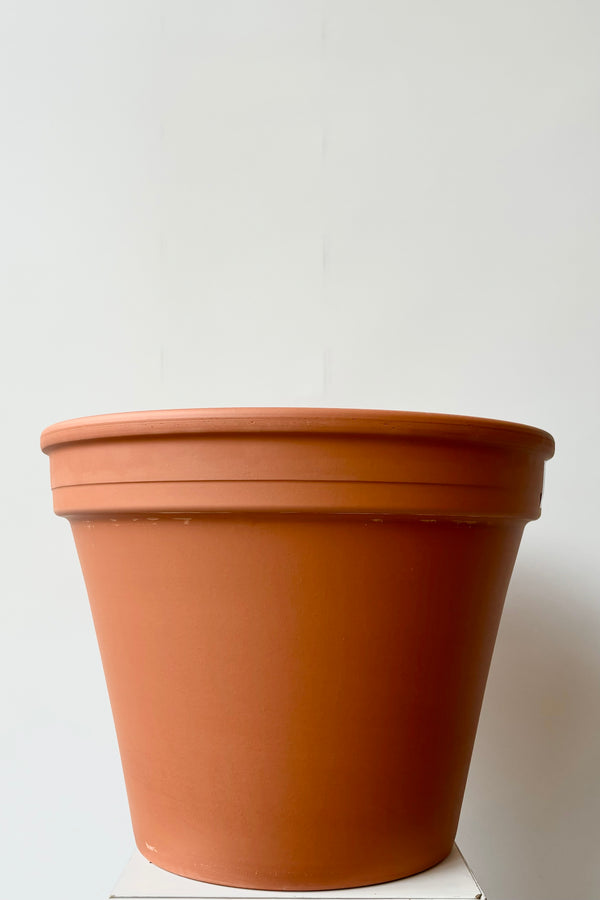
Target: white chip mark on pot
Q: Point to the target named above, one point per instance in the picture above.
(185, 520)
(152, 519)
(150, 847)
(377, 520)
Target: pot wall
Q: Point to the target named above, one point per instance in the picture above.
(295, 698)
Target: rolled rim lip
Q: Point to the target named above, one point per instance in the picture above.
(298, 420)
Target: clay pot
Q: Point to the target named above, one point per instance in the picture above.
(296, 610)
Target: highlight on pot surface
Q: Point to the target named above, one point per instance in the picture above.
(296, 611)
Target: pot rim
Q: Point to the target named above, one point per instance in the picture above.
(298, 420)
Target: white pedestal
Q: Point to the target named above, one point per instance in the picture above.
(449, 880)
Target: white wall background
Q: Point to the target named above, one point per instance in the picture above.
(291, 202)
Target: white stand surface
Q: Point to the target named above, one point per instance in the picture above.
(449, 880)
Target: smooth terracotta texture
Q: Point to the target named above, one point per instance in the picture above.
(296, 611)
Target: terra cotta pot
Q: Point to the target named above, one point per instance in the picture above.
(296, 610)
